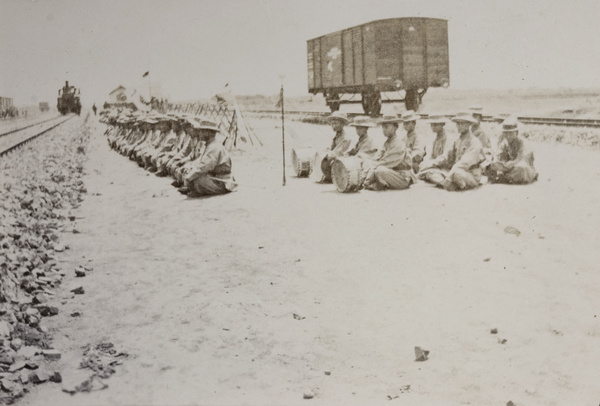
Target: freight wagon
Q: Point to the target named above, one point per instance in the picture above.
(6, 103)
(403, 55)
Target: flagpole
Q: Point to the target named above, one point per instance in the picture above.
(282, 127)
(147, 74)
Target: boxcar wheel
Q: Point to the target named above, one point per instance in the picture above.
(375, 109)
(371, 103)
(411, 100)
(366, 101)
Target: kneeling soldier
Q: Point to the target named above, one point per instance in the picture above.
(514, 161)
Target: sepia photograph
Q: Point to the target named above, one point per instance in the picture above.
(268, 202)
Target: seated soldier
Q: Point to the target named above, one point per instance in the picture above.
(163, 128)
(129, 132)
(114, 129)
(414, 145)
(149, 142)
(460, 165)
(341, 144)
(167, 146)
(163, 163)
(187, 162)
(365, 147)
(477, 112)
(141, 139)
(440, 145)
(514, 162)
(165, 142)
(211, 174)
(187, 146)
(392, 167)
(478, 132)
(136, 137)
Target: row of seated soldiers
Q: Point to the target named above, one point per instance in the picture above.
(186, 147)
(453, 165)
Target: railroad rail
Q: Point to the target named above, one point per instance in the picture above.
(7, 145)
(27, 126)
(552, 121)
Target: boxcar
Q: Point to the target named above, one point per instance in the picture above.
(405, 55)
(6, 103)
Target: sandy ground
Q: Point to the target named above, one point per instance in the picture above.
(202, 292)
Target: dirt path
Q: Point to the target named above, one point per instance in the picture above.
(202, 292)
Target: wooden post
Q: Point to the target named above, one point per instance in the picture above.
(282, 130)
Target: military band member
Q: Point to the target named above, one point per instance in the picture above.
(513, 163)
(341, 144)
(460, 165)
(414, 145)
(440, 145)
(211, 173)
(365, 147)
(392, 167)
(477, 112)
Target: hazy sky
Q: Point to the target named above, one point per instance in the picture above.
(192, 48)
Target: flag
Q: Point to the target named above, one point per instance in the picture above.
(225, 96)
(146, 74)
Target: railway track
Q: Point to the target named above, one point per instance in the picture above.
(552, 121)
(11, 140)
(14, 130)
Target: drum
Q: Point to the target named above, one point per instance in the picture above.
(317, 173)
(302, 161)
(347, 174)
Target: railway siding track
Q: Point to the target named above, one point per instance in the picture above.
(552, 121)
(14, 139)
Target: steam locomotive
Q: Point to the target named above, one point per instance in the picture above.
(68, 100)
